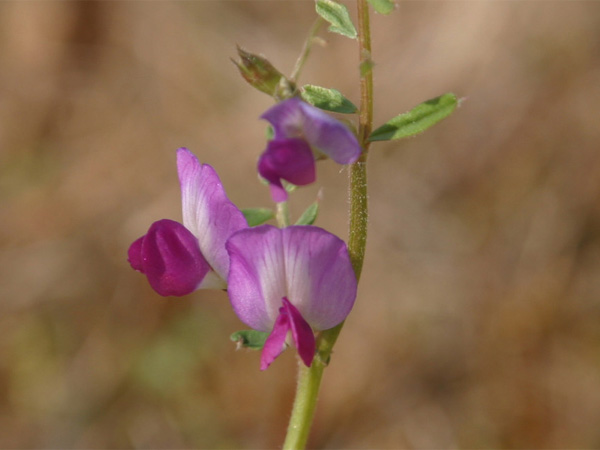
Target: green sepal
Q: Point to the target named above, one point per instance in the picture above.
(382, 6)
(309, 215)
(250, 339)
(337, 15)
(327, 99)
(262, 75)
(257, 216)
(270, 133)
(417, 119)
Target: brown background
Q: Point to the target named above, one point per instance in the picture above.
(478, 318)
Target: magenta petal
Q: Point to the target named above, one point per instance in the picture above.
(275, 343)
(303, 335)
(207, 211)
(291, 160)
(171, 259)
(134, 255)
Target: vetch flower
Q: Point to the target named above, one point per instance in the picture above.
(293, 280)
(178, 259)
(302, 132)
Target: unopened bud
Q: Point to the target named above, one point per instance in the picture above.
(262, 75)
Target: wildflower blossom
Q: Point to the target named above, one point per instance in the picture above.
(297, 279)
(302, 132)
(180, 258)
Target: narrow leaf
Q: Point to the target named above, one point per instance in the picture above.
(257, 216)
(327, 99)
(382, 6)
(250, 339)
(337, 15)
(309, 216)
(417, 119)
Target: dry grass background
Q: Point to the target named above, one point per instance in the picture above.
(478, 320)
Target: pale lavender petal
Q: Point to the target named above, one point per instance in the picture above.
(257, 281)
(287, 118)
(303, 335)
(275, 343)
(306, 264)
(207, 211)
(170, 258)
(330, 136)
(291, 160)
(320, 279)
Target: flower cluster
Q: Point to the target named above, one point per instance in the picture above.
(288, 282)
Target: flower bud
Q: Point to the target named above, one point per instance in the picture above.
(262, 75)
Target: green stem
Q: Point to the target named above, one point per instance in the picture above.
(306, 49)
(282, 214)
(309, 378)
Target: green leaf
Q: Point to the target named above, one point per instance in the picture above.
(417, 119)
(309, 216)
(382, 6)
(257, 216)
(250, 339)
(327, 99)
(337, 15)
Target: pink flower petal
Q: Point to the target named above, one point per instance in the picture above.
(320, 279)
(329, 135)
(275, 343)
(289, 318)
(134, 255)
(294, 118)
(288, 159)
(302, 333)
(170, 258)
(305, 264)
(257, 281)
(207, 211)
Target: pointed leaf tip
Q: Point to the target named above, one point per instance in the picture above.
(257, 216)
(417, 119)
(309, 215)
(337, 15)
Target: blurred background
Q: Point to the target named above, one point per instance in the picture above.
(478, 318)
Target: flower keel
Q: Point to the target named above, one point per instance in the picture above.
(170, 257)
(290, 160)
(289, 319)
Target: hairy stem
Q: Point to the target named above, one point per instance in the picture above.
(309, 378)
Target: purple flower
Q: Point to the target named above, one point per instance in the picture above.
(300, 132)
(296, 279)
(178, 259)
